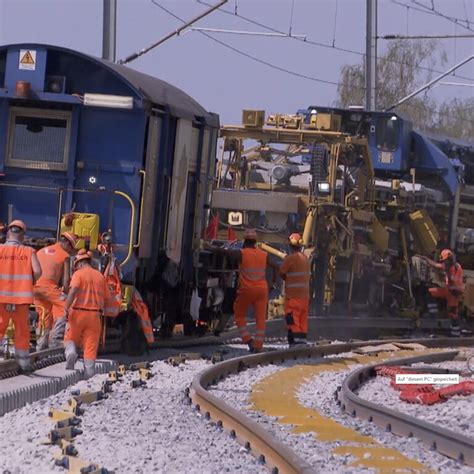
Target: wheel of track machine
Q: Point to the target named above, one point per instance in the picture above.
(132, 340)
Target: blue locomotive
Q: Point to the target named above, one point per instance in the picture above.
(98, 147)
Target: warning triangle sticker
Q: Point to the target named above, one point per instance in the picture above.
(27, 58)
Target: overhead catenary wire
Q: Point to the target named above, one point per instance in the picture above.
(320, 44)
(251, 56)
(304, 76)
(431, 11)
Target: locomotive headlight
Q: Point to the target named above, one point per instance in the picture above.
(393, 118)
(324, 188)
(92, 180)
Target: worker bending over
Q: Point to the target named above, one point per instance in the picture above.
(454, 288)
(253, 287)
(50, 299)
(295, 270)
(88, 292)
(19, 270)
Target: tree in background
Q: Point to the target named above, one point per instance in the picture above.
(398, 75)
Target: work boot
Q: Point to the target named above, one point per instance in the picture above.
(24, 361)
(56, 337)
(89, 368)
(71, 355)
(42, 342)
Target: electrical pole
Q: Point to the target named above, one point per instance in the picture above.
(109, 30)
(371, 56)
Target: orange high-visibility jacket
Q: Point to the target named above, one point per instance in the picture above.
(296, 269)
(454, 278)
(16, 274)
(252, 268)
(114, 300)
(92, 289)
(52, 260)
(141, 309)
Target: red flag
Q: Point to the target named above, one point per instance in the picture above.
(211, 230)
(231, 234)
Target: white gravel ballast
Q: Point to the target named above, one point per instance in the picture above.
(455, 414)
(318, 393)
(139, 430)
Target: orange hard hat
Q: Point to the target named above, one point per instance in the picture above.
(83, 254)
(295, 239)
(445, 254)
(250, 234)
(17, 223)
(70, 237)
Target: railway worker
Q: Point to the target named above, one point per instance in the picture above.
(295, 270)
(454, 288)
(19, 270)
(50, 299)
(253, 287)
(88, 292)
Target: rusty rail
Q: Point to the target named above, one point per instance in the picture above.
(449, 443)
(266, 447)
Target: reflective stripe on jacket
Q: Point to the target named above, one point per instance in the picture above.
(92, 289)
(16, 274)
(252, 268)
(297, 271)
(141, 309)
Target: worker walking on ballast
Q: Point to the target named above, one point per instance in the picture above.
(19, 270)
(454, 288)
(50, 298)
(253, 287)
(296, 272)
(88, 293)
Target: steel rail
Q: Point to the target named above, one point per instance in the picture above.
(279, 457)
(449, 443)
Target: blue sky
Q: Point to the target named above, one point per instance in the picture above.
(222, 80)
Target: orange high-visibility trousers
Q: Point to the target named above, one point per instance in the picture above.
(84, 330)
(49, 299)
(298, 308)
(20, 321)
(452, 301)
(258, 298)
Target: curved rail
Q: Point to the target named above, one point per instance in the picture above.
(449, 443)
(262, 444)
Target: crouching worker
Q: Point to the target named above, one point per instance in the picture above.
(295, 270)
(454, 288)
(88, 293)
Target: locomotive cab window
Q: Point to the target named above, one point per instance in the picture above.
(387, 133)
(38, 139)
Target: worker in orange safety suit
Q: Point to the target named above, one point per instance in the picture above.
(295, 270)
(454, 288)
(50, 299)
(88, 293)
(253, 287)
(19, 270)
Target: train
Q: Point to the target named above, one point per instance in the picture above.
(370, 195)
(130, 162)
(119, 158)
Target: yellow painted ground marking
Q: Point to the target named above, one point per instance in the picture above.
(276, 395)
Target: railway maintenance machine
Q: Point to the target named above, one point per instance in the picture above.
(369, 195)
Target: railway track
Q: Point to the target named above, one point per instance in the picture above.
(453, 445)
(269, 449)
